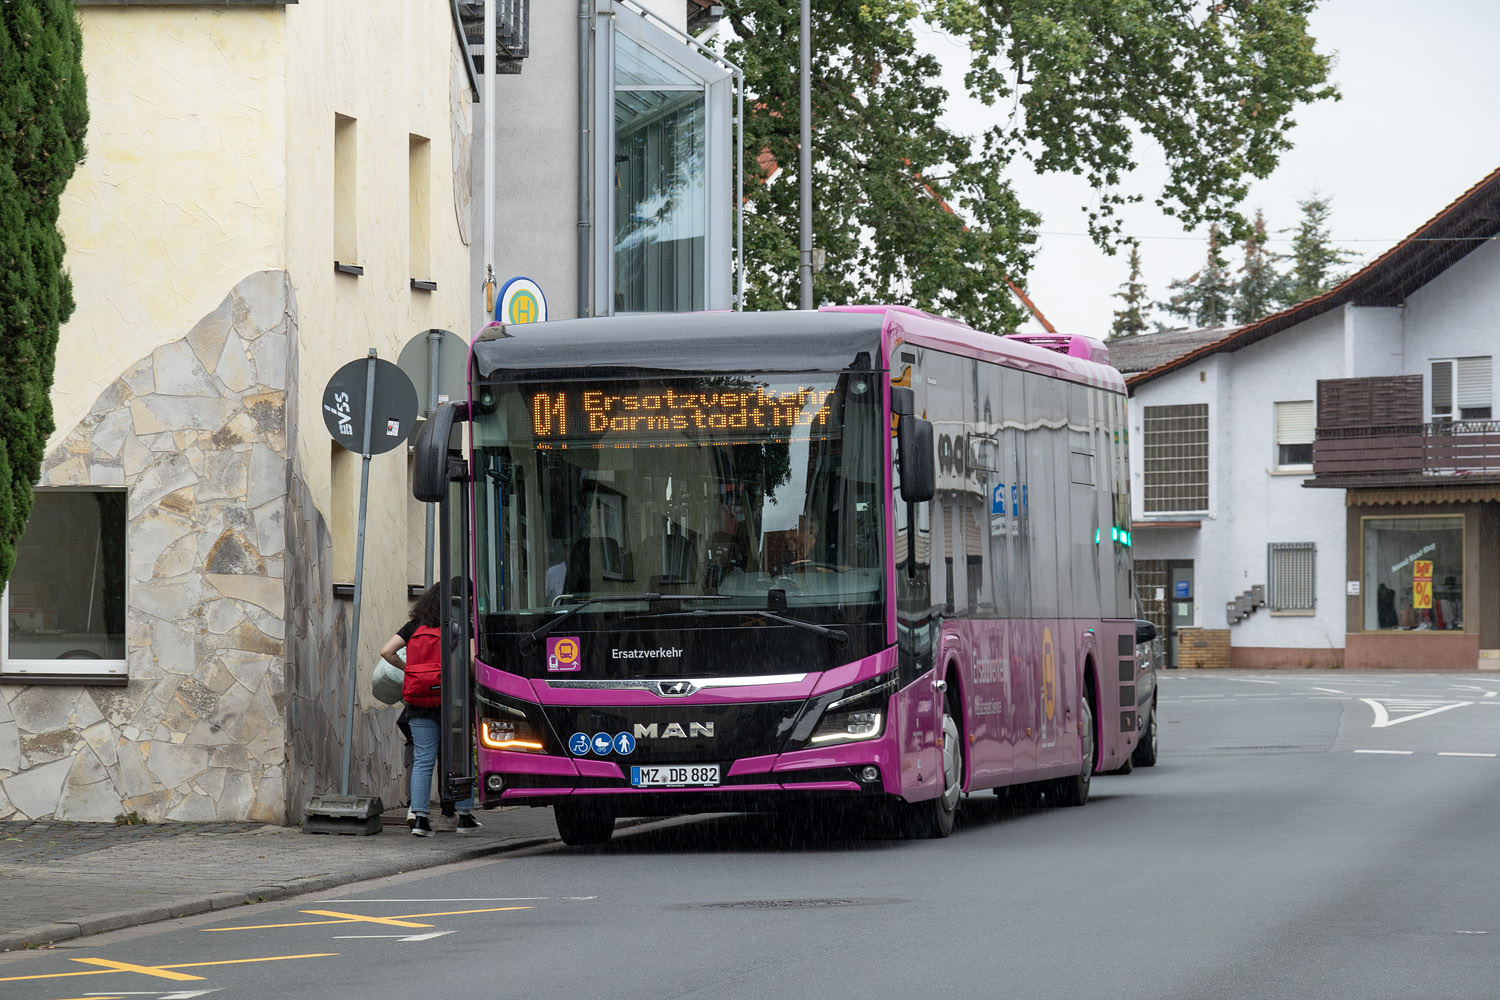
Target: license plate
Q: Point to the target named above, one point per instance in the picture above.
(675, 776)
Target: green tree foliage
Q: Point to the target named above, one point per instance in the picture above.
(910, 211)
(1131, 319)
(1261, 288)
(43, 114)
(1315, 262)
(1205, 298)
(903, 209)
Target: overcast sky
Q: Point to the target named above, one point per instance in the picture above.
(1418, 125)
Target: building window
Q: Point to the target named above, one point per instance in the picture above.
(1291, 576)
(1294, 434)
(345, 192)
(664, 169)
(1462, 389)
(64, 607)
(1413, 573)
(419, 206)
(1176, 458)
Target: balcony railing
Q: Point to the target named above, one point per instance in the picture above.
(1444, 448)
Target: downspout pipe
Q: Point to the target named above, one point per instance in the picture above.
(490, 53)
(585, 153)
(463, 45)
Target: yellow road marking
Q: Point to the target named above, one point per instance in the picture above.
(121, 967)
(161, 972)
(357, 918)
(350, 918)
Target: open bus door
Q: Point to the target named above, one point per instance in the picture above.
(442, 477)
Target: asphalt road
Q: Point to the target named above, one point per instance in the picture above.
(1307, 835)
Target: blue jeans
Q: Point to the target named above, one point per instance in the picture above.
(424, 738)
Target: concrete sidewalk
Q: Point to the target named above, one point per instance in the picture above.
(66, 880)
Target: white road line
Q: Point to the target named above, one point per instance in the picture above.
(398, 937)
(1394, 753)
(1327, 690)
(1455, 753)
(1421, 708)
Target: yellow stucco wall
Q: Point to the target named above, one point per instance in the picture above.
(398, 60)
(210, 157)
(182, 192)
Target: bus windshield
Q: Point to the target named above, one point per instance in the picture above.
(713, 491)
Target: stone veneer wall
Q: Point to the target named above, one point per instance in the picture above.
(196, 433)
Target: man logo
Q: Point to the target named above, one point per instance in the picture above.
(676, 689)
(674, 730)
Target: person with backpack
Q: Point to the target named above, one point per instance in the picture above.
(422, 639)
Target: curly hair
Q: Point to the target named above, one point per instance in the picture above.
(428, 610)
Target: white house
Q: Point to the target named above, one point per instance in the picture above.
(1322, 487)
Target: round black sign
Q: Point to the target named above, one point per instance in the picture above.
(392, 406)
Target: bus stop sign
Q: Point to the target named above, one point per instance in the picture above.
(392, 406)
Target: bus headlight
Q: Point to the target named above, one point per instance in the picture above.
(509, 734)
(858, 714)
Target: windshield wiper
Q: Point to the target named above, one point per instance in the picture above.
(529, 640)
(838, 637)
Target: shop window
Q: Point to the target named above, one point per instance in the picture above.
(1294, 434)
(1176, 458)
(1291, 576)
(663, 172)
(64, 607)
(1413, 573)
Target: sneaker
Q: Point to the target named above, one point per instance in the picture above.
(411, 819)
(466, 823)
(420, 827)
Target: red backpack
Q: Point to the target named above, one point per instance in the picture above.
(424, 668)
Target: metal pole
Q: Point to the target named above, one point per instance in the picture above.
(804, 159)
(359, 573)
(585, 155)
(490, 59)
(434, 358)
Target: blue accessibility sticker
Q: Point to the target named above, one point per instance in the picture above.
(603, 743)
(579, 744)
(624, 743)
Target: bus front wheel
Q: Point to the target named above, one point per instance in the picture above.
(1074, 791)
(581, 825)
(933, 818)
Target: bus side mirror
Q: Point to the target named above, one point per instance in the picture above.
(430, 452)
(915, 452)
(1145, 631)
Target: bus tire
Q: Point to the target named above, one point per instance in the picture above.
(582, 825)
(933, 818)
(1074, 791)
(1145, 751)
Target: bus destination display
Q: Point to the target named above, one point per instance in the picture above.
(676, 414)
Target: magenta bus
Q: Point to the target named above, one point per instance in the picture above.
(739, 561)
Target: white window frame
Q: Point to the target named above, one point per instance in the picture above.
(722, 86)
(1470, 386)
(1296, 423)
(22, 671)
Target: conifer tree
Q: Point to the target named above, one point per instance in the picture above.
(1315, 262)
(1260, 290)
(43, 114)
(1205, 298)
(1131, 319)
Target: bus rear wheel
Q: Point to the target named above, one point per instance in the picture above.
(933, 818)
(581, 825)
(1145, 750)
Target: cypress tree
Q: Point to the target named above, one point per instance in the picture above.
(43, 115)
